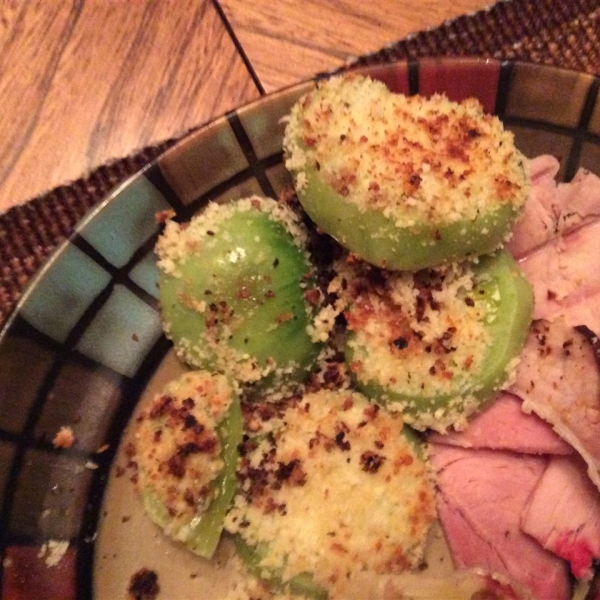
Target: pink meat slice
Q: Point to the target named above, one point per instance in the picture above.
(558, 379)
(566, 279)
(481, 495)
(552, 208)
(504, 426)
(578, 202)
(537, 224)
(563, 514)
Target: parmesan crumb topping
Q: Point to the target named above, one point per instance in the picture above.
(316, 491)
(177, 447)
(180, 242)
(418, 336)
(414, 159)
(235, 281)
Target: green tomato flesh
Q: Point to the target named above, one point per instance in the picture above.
(509, 296)
(206, 528)
(249, 276)
(376, 239)
(300, 585)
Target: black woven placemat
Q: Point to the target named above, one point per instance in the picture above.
(564, 33)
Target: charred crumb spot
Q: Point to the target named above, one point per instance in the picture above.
(210, 232)
(143, 585)
(291, 472)
(189, 499)
(551, 295)
(160, 407)
(371, 462)
(469, 301)
(415, 180)
(342, 443)
(176, 466)
(401, 343)
(191, 448)
(189, 422)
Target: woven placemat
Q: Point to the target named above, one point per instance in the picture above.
(552, 32)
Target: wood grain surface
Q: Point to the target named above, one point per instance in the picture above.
(84, 82)
(295, 40)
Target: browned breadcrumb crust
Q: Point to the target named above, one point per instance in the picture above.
(310, 470)
(415, 159)
(177, 449)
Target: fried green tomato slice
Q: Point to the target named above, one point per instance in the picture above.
(237, 293)
(186, 454)
(438, 344)
(404, 183)
(334, 488)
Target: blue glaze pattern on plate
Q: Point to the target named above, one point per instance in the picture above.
(66, 289)
(123, 332)
(125, 225)
(145, 274)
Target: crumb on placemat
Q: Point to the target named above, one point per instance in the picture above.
(64, 438)
(53, 551)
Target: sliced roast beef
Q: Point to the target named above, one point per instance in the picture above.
(558, 379)
(481, 495)
(504, 426)
(563, 514)
(566, 279)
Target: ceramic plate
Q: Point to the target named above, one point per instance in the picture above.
(85, 343)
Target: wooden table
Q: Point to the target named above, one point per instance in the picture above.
(84, 82)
